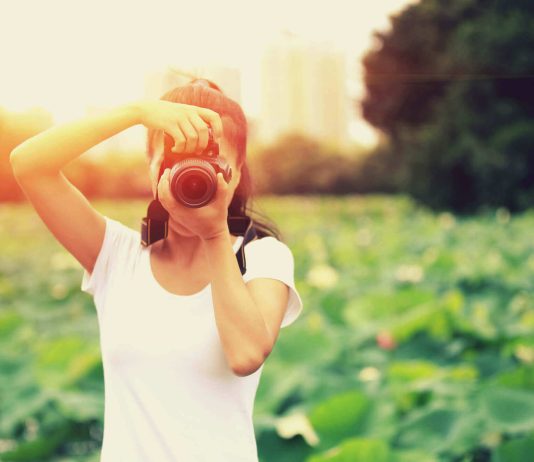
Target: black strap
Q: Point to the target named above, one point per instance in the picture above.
(155, 225)
(242, 226)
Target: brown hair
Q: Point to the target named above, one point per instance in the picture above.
(206, 94)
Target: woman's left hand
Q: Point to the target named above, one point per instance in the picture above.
(206, 222)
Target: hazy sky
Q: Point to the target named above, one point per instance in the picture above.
(66, 55)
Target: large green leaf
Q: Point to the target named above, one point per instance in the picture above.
(340, 416)
(413, 456)
(431, 429)
(521, 377)
(356, 450)
(508, 409)
(515, 451)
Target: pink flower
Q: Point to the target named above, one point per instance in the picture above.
(385, 340)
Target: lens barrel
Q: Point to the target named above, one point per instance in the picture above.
(193, 182)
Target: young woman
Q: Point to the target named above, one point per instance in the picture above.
(183, 334)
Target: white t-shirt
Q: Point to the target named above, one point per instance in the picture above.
(169, 393)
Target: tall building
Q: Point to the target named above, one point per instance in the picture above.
(304, 90)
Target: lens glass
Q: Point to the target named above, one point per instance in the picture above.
(194, 187)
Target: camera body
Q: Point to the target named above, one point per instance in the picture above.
(193, 177)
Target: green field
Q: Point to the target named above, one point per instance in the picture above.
(416, 342)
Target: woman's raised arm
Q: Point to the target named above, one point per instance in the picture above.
(50, 150)
(37, 164)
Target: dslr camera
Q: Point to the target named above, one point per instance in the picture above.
(193, 177)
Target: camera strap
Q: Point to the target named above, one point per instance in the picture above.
(242, 226)
(155, 226)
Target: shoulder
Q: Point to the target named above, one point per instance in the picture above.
(268, 245)
(271, 258)
(268, 256)
(119, 230)
(266, 241)
(118, 253)
(120, 239)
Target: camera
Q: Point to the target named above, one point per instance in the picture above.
(193, 177)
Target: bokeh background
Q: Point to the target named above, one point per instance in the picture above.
(393, 144)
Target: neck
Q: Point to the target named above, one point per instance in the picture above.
(180, 248)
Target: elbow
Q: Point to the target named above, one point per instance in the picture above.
(23, 167)
(245, 368)
(14, 162)
(18, 164)
(244, 371)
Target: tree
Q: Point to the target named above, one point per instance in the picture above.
(451, 86)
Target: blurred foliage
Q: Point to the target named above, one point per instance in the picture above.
(416, 343)
(297, 164)
(451, 86)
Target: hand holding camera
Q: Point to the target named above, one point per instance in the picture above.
(194, 159)
(206, 222)
(187, 124)
(191, 174)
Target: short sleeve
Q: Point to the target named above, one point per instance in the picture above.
(117, 239)
(270, 258)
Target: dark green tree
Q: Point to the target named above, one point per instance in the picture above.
(452, 86)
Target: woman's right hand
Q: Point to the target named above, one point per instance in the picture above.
(187, 124)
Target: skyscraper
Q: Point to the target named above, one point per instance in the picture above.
(304, 90)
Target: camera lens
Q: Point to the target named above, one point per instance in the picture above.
(194, 187)
(193, 182)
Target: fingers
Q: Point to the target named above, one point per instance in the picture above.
(178, 136)
(222, 186)
(161, 184)
(214, 120)
(164, 189)
(190, 132)
(202, 130)
(191, 135)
